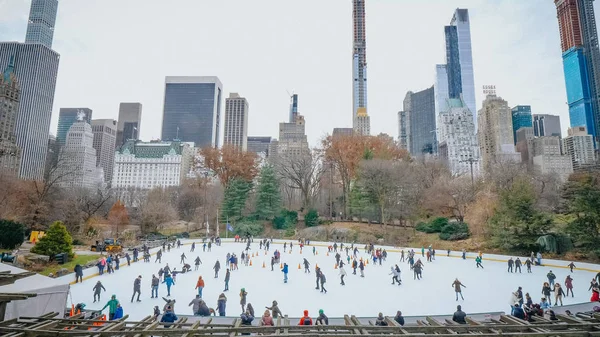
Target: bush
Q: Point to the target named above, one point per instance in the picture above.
(435, 226)
(455, 231)
(244, 229)
(13, 234)
(279, 222)
(57, 240)
(289, 232)
(77, 242)
(311, 218)
(286, 219)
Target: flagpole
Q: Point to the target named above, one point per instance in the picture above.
(218, 223)
(227, 229)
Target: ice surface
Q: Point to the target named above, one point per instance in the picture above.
(486, 290)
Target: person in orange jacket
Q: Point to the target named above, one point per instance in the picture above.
(200, 286)
(305, 320)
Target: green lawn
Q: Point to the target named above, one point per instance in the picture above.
(79, 259)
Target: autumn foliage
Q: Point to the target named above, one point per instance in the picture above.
(118, 215)
(229, 163)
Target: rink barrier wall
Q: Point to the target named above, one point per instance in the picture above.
(471, 256)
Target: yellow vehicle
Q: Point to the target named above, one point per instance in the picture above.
(109, 246)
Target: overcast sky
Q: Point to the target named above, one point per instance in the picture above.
(121, 50)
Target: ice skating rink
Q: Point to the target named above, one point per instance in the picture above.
(486, 290)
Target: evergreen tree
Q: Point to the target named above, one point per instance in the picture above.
(268, 200)
(234, 200)
(57, 240)
(13, 234)
(582, 194)
(517, 224)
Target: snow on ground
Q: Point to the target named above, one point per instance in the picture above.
(486, 290)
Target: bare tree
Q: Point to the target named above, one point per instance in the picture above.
(302, 172)
(156, 210)
(451, 196)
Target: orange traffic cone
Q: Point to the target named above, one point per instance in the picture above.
(290, 251)
(265, 252)
(263, 264)
(335, 266)
(316, 265)
(316, 252)
(299, 266)
(250, 262)
(327, 253)
(281, 266)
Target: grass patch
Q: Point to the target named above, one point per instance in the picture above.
(79, 259)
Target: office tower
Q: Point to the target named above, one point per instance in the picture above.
(546, 125)
(525, 136)
(10, 154)
(192, 110)
(581, 62)
(146, 165)
(259, 145)
(236, 121)
(66, 118)
(342, 132)
(36, 67)
(495, 133)
(402, 133)
(579, 146)
(440, 88)
(292, 138)
(42, 17)
(419, 110)
(521, 117)
(105, 136)
(129, 123)
(458, 141)
(548, 158)
(76, 166)
(293, 108)
(459, 61)
(360, 118)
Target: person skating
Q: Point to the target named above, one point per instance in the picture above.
(209, 246)
(158, 256)
(457, 288)
(197, 262)
(546, 292)
(195, 303)
(117, 262)
(381, 320)
(323, 280)
(272, 263)
(193, 247)
(160, 274)
(154, 286)
(275, 309)
(243, 296)
(200, 285)
(266, 319)
(478, 262)
(520, 295)
(284, 246)
(135, 254)
(167, 269)
(518, 265)
(78, 270)
(354, 266)
(361, 266)
(569, 285)
(128, 258)
(337, 258)
(342, 275)
(394, 274)
(322, 319)
(317, 271)
(97, 289)
(510, 262)
(112, 307)
(551, 277)
(402, 256)
(186, 268)
(459, 316)
(399, 318)
(528, 265)
(227, 276)
(558, 294)
(571, 266)
(305, 319)
(221, 304)
(169, 281)
(183, 257)
(217, 267)
(417, 269)
(137, 287)
(285, 272)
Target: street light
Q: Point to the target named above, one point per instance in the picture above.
(471, 161)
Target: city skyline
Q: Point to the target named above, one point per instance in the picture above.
(325, 104)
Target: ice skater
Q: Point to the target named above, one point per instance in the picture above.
(395, 274)
(569, 285)
(317, 271)
(342, 274)
(306, 266)
(169, 282)
(200, 286)
(528, 265)
(518, 266)
(154, 286)
(243, 296)
(546, 292)
(323, 280)
(193, 247)
(571, 266)
(285, 272)
(402, 256)
(197, 262)
(158, 257)
(97, 289)
(361, 266)
(457, 288)
(354, 266)
(478, 261)
(137, 287)
(183, 257)
(551, 277)
(217, 267)
(511, 263)
(227, 276)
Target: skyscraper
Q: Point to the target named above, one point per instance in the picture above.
(236, 121)
(579, 146)
(459, 61)
(36, 67)
(129, 124)
(581, 62)
(419, 110)
(546, 125)
(192, 110)
(293, 108)
(42, 17)
(105, 136)
(259, 145)
(521, 117)
(68, 117)
(10, 154)
(360, 118)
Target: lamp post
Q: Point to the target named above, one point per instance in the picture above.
(471, 161)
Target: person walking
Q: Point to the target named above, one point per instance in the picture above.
(478, 262)
(457, 288)
(558, 294)
(221, 304)
(137, 287)
(342, 275)
(569, 285)
(154, 286)
(227, 276)
(112, 307)
(285, 272)
(97, 289)
(169, 281)
(217, 267)
(200, 285)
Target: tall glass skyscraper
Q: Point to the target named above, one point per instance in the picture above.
(360, 118)
(42, 17)
(192, 110)
(521, 117)
(459, 63)
(581, 62)
(419, 122)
